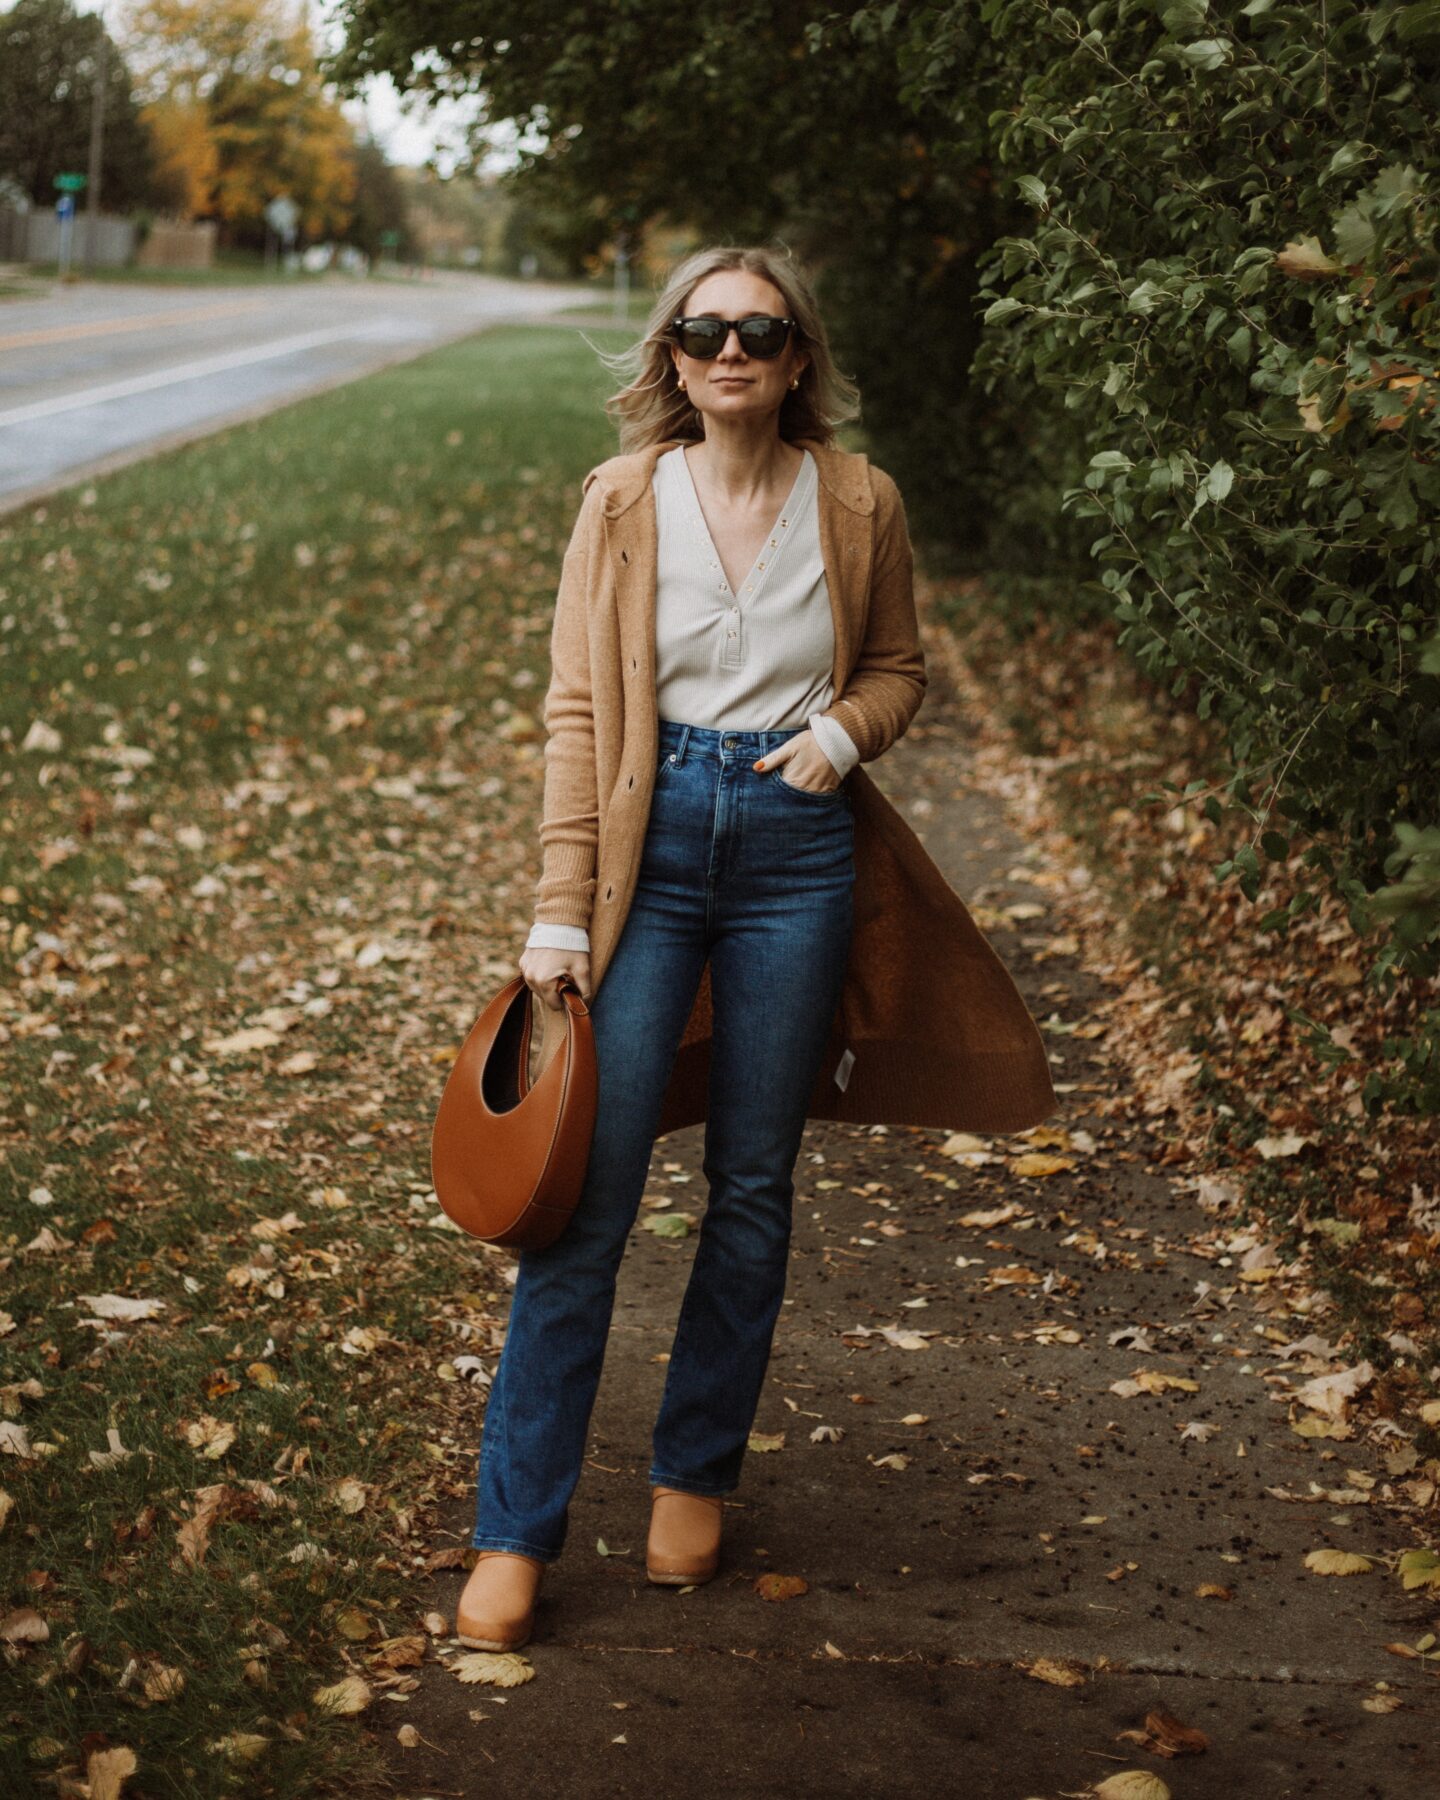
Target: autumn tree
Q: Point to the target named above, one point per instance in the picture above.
(239, 113)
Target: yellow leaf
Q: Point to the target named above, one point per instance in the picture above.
(1337, 1562)
(106, 1770)
(347, 1697)
(1035, 1162)
(1057, 1671)
(1133, 1784)
(239, 1746)
(767, 1440)
(161, 1682)
(494, 1668)
(1314, 1425)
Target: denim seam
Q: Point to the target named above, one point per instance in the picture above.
(658, 1479)
(515, 1545)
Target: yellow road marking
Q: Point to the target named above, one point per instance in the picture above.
(56, 334)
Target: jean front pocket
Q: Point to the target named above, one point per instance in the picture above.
(820, 797)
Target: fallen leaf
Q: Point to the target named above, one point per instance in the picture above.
(993, 1215)
(780, 1587)
(1420, 1569)
(1035, 1162)
(766, 1440)
(239, 1746)
(494, 1668)
(1166, 1736)
(121, 1306)
(668, 1224)
(23, 1626)
(209, 1437)
(106, 1770)
(1058, 1671)
(1337, 1562)
(345, 1698)
(1133, 1784)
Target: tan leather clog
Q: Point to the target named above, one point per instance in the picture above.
(684, 1543)
(497, 1608)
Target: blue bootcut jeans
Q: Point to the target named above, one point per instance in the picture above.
(757, 875)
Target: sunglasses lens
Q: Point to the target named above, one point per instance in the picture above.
(702, 337)
(763, 337)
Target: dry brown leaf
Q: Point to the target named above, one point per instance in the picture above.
(23, 1626)
(1164, 1735)
(1058, 1671)
(780, 1587)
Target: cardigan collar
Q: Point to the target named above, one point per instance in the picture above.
(626, 477)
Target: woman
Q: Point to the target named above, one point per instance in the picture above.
(735, 631)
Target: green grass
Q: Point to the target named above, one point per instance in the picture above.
(295, 672)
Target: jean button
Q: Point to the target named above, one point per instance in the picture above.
(729, 743)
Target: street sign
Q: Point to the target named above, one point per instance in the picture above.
(65, 206)
(283, 215)
(70, 183)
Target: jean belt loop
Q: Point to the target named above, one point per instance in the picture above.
(680, 747)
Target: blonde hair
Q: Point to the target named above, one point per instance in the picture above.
(652, 406)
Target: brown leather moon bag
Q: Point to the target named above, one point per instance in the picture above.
(507, 1158)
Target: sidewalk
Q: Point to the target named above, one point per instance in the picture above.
(1045, 1562)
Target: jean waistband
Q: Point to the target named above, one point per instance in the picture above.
(718, 740)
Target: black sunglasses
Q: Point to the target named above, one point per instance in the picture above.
(705, 337)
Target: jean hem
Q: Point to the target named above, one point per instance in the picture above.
(517, 1546)
(689, 1487)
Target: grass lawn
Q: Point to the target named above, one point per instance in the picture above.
(270, 749)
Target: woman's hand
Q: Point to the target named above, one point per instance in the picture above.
(542, 966)
(807, 765)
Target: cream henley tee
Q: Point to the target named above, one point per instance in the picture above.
(759, 660)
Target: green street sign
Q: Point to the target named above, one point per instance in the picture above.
(71, 184)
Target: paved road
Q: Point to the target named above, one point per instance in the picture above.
(1040, 1514)
(95, 374)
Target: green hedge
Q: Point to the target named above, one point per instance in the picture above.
(1215, 341)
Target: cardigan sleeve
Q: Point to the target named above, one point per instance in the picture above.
(888, 680)
(570, 823)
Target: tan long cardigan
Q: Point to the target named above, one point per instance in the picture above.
(939, 1032)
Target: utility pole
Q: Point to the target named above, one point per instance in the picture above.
(97, 146)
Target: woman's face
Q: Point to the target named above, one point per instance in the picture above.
(734, 384)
